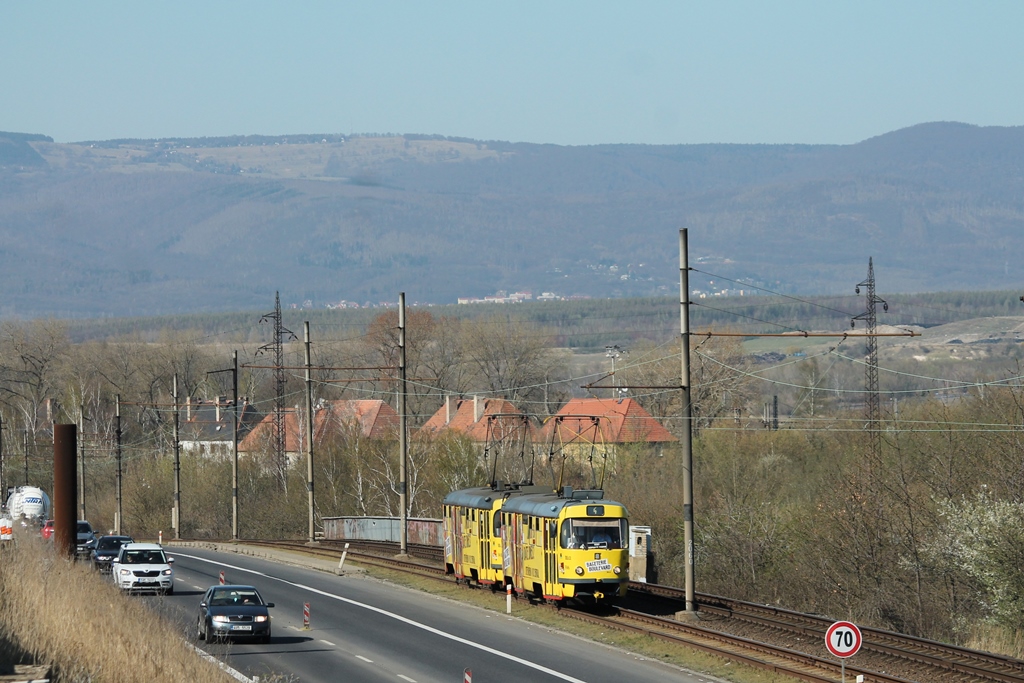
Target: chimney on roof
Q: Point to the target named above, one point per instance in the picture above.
(478, 407)
(220, 401)
(188, 408)
(450, 408)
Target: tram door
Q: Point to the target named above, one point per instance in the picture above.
(455, 538)
(485, 547)
(551, 550)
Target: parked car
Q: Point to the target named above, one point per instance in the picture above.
(47, 530)
(85, 538)
(143, 567)
(233, 611)
(107, 548)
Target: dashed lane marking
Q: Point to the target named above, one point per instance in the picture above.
(368, 661)
(398, 617)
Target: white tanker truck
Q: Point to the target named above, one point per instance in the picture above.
(28, 503)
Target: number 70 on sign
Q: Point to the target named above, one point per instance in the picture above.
(843, 639)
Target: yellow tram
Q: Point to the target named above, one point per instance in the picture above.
(568, 546)
(472, 531)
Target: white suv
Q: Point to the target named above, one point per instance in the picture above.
(143, 567)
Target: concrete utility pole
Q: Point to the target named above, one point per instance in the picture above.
(234, 446)
(309, 434)
(684, 379)
(3, 471)
(403, 443)
(177, 465)
(81, 455)
(234, 441)
(117, 436)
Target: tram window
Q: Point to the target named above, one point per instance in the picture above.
(497, 524)
(593, 533)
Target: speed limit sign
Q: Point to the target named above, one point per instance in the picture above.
(843, 639)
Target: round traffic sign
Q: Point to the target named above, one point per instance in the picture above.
(843, 639)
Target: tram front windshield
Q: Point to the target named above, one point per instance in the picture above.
(593, 533)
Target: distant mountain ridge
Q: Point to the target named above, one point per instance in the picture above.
(147, 227)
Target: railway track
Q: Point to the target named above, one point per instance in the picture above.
(887, 650)
(762, 636)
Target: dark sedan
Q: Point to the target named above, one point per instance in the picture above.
(106, 551)
(233, 612)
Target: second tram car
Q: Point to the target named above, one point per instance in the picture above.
(472, 531)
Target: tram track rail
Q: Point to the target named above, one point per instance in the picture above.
(763, 636)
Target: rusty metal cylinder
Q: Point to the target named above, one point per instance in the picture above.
(65, 488)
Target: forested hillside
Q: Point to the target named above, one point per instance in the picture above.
(143, 227)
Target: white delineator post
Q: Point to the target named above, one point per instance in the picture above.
(341, 563)
(467, 676)
(222, 577)
(508, 599)
(305, 616)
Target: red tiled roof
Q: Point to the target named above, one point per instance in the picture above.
(617, 421)
(377, 420)
(498, 415)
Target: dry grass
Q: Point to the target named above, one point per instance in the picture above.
(993, 638)
(64, 614)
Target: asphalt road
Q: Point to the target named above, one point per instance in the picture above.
(362, 629)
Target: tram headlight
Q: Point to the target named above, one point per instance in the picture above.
(617, 570)
(579, 570)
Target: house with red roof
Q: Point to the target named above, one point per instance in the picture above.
(586, 425)
(483, 420)
(374, 419)
(503, 433)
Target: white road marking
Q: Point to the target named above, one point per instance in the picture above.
(399, 617)
(327, 642)
(368, 661)
(406, 678)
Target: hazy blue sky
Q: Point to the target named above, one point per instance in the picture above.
(554, 71)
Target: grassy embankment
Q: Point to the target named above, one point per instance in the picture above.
(63, 614)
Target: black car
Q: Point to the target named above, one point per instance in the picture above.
(232, 611)
(106, 550)
(85, 539)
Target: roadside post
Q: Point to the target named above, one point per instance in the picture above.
(508, 599)
(305, 616)
(341, 562)
(843, 639)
